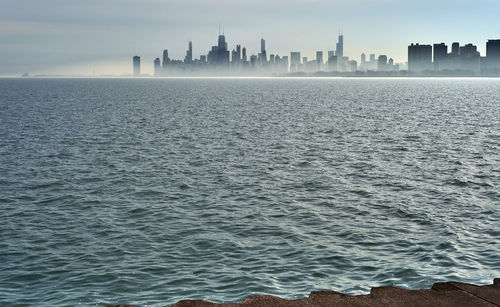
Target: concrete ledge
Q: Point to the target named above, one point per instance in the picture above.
(447, 294)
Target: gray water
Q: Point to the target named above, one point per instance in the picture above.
(151, 191)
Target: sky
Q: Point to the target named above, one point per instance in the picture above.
(101, 36)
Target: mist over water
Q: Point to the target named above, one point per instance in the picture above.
(148, 191)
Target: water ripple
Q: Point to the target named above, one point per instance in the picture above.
(151, 191)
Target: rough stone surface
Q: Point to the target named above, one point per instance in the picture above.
(447, 294)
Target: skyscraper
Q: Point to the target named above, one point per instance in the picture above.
(455, 49)
(332, 61)
(244, 54)
(136, 60)
(493, 55)
(189, 54)
(319, 59)
(166, 59)
(263, 54)
(419, 57)
(294, 61)
(157, 66)
(470, 58)
(382, 63)
(440, 53)
(284, 63)
(238, 52)
(340, 47)
(219, 55)
(234, 57)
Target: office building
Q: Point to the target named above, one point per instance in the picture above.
(136, 60)
(340, 47)
(353, 66)
(319, 59)
(253, 60)
(219, 55)
(244, 54)
(493, 55)
(189, 54)
(382, 63)
(455, 49)
(419, 58)
(440, 54)
(157, 66)
(470, 59)
(263, 55)
(294, 61)
(332, 62)
(166, 59)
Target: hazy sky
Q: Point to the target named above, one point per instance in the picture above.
(79, 36)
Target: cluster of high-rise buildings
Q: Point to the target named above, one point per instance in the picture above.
(422, 59)
(427, 59)
(220, 59)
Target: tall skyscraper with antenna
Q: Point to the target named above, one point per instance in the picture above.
(340, 46)
(219, 55)
(189, 54)
(263, 54)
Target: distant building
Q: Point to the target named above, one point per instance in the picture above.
(189, 54)
(284, 63)
(271, 59)
(440, 54)
(263, 54)
(236, 55)
(470, 59)
(332, 62)
(419, 58)
(157, 66)
(253, 60)
(382, 63)
(319, 59)
(294, 61)
(136, 60)
(493, 55)
(353, 66)
(166, 59)
(340, 47)
(455, 48)
(219, 55)
(244, 54)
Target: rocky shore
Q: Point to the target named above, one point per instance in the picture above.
(452, 294)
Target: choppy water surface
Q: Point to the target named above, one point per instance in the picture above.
(151, 191)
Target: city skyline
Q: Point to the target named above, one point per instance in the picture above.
(423, 59)
(58, 36)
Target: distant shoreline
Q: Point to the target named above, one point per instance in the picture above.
(237, 76)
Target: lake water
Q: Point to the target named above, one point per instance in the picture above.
(154, 190)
